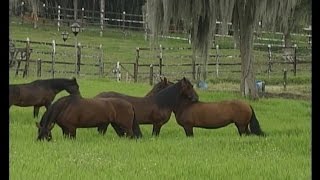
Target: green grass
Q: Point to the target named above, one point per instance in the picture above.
(212, 154)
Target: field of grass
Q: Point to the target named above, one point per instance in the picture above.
(285, 153)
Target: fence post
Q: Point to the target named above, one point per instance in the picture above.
(44, 13)
(295, 60)
(22, 11)
(193, 65)
(123, 20)
(100, 62)
(217, 61)
(53, 57)
(145, 29)
(28, 52)
(269, 61)
(101, 22)
(39, 67)
(151, 75)
(160, 61)
(59, 17)
(285, 79)
(118, 72)
(78, 58)
(135, 72)
(136, 66)
(102, 68)
(82, 16)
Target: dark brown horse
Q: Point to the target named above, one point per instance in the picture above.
(72, 112)
(211, 115)
(40, 92)
(145, 110)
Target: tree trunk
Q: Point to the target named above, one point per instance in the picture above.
(102, 13)
(34, 14)
(287, 39)
(75, 9)
(64, 12)
(248, 84)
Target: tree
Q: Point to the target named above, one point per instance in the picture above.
(200, 17)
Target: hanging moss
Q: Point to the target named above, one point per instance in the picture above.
(200, 18)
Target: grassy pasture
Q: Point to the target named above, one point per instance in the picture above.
(212, 154)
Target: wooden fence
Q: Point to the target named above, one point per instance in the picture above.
(218, 64)
(64, 59)
(55, 58)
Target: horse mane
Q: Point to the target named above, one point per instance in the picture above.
(168, 96)
(159, 85)
(57, 83)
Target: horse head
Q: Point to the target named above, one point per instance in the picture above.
(187, 90)
(44, 132)
(73, 87)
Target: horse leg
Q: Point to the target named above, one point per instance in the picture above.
(36, 111)
(188, 130)
(118, 129)
(129, 132)
(65, 132)
(242, 129)
(72, 132)
(156, 129)
(102, 129)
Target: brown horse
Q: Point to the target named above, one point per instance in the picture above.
(40, 92)
(72, 112)
(211, 115)
(144, 107)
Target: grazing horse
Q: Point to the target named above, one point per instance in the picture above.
(144, 108)
(40, 92)
(73, 111)
(212, 115)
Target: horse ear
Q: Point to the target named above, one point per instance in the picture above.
(183, 81)
(38, 125)
(165, 80)
(74, 79)
(161, 79)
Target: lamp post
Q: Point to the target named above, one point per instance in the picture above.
(65, 35)
(75, 28)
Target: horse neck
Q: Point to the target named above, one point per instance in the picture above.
(167, 98)
(181, 106)
(57, 85)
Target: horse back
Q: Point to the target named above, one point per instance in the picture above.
(144, 106)
(221, 113)
(124, 111)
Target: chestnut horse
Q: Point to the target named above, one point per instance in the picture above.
(40, 92)
(72, 112)
(211, 115)
(144, 108)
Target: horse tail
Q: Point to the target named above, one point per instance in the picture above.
(254, 125)
(135, 126)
